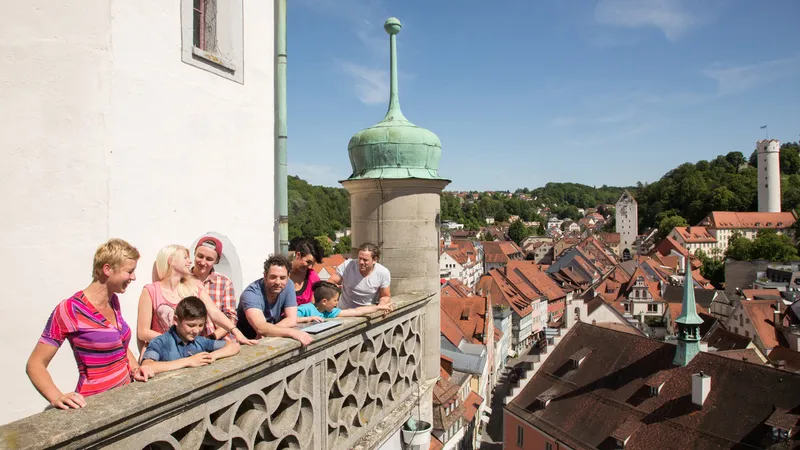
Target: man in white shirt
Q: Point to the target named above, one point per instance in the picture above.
(364, 281)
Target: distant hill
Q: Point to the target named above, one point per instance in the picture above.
(726, 183)
(316, 210)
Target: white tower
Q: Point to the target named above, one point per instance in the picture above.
(627, 219)
(769, 175)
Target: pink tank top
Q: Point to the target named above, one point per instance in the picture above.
(164, 311)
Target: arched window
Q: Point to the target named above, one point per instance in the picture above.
(229, 263)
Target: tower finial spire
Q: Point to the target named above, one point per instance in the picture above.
(688, 322)
(392, 27)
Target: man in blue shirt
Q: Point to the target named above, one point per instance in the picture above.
(267, 307)
(182, 346)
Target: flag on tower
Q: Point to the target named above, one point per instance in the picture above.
(763, 127)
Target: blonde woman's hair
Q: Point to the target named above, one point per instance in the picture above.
(163, 269)
(114, 253)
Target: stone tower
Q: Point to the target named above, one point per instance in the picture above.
(769, 175)
(627, 221)
(395, 191)
(688, 325)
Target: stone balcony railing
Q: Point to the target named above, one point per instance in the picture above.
(340, 392)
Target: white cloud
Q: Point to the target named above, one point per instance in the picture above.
(668, 15)
(372, 85)
(318, 174)
(731, 79)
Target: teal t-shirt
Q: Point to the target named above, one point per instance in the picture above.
(309, 310)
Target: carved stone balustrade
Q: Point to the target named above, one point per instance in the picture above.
(334, 394)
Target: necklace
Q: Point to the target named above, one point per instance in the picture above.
(170, 294)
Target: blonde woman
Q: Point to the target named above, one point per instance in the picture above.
(175, 282)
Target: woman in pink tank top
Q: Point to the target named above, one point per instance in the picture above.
(159, 299)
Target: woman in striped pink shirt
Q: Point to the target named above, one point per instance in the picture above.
(92, 322)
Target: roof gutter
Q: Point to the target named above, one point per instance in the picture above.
(281, 181)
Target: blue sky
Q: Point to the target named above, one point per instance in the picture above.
(526, 92)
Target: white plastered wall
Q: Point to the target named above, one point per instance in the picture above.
(106, 133)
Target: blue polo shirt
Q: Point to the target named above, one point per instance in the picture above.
(170, 347)
(254, 296)
(309, 310)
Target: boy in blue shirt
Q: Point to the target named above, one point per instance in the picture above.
(182, 346)
(326, 300)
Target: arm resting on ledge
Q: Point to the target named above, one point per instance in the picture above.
(37, 372)
(201, 359)
(264, 328)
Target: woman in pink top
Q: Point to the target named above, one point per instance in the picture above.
(158, 300)
(306, 253)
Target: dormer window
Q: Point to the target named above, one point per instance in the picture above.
(580, 356)
(782, 422)
(656, 382)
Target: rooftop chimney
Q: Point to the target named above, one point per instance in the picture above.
(776, 315)
(701, 386)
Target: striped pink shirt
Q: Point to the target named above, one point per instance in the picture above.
(100, 348)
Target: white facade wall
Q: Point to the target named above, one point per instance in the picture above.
(107, 133)
(769, 176)
(604, 314)
(644, 308)
(450, 268)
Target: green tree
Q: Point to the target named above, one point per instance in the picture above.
(712, 269)
(486, 236)
(739, 248)
(772, 246)
(668, 223)
(517, 231)
(344, 246)
(325, 243)
(768, 245)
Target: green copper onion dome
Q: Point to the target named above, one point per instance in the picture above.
(394, 147)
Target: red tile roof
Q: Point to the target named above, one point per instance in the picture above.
(503, 292)
(451, 331)
(762, 316)
(469, 315)
(471, 405)
(527, 277)
(455, 288)
(501, 252)
(725, 219)
(695, 235)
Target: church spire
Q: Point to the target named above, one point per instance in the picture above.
(688, 323)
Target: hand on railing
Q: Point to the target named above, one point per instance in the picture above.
(70, 400)
(199, 360)
(301, 336)
(143, 373)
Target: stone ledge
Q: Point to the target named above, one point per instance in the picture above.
(111, 415)
(395, 419)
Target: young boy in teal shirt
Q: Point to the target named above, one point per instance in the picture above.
(326, 300)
